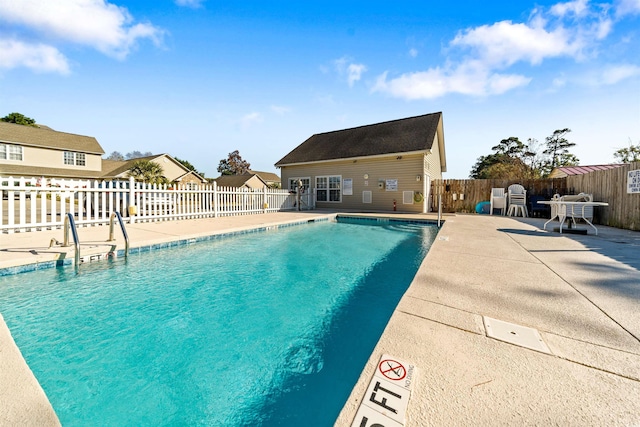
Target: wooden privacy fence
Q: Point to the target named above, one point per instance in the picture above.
(462, 195)
(611, 186)
(28, 204)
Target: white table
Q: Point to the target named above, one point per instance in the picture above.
(561, 211)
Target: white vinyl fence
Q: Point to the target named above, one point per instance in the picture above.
(31, 204)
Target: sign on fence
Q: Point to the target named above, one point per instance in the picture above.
(633, 181)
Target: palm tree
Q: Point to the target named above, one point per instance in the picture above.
(147, 171)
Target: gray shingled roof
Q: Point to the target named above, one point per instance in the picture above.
(47, 138)
(397, 136)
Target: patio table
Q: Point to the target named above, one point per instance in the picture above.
(561, 211)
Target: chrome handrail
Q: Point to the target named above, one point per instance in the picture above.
(70, 224)
(124, 231)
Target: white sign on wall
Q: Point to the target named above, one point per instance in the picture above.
(347, 186)
(633, 181)
(392, 185)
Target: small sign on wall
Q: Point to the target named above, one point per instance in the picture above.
(392, 185)
(347, 187)
(633, 182)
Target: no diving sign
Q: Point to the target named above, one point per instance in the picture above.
(387, 397)
(392, 369)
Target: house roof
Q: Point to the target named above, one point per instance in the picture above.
(21, 170)
(397, 136)
(236, 180)
(563, 171)
(116, 168)
(47, 138)
(266, 176)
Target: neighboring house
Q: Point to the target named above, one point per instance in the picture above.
(172, 170)
(564, 171)
(379, 167)
(272, 179)
(249, 180)
(41, 151)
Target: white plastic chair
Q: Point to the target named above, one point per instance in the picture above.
(498, 200)
(517, 200)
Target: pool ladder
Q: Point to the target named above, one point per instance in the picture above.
(70, 225)
(124, 231)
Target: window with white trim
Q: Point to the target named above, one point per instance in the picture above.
(329, 188)
(10, 152)
(75, 159)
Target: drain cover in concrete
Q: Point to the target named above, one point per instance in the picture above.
(515, 334)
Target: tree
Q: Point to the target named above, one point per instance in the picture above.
(147, 171)
(19, 119)
(481, 170)
(628, 154)
(533, 157)
(137, 154)
(558, 151)
(189, 166)
(115, 155)
(507, 162)
(511, 147)
(233, 165)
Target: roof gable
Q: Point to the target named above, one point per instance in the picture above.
(47, 138)
(119, 168)
(237, 180)
(266, 176)
(397, 136)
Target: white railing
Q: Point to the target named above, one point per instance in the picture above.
(30, 204)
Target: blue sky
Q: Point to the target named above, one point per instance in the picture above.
(200, 78)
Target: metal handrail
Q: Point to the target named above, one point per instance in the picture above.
(439, 209)
(70, 224)
(117, 215)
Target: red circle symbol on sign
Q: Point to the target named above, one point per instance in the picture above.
(392, 370)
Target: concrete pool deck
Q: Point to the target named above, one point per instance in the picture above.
(581, 293)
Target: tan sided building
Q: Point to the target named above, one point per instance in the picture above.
(29, 151)
(379, 167)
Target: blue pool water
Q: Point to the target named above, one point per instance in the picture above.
(268, 328)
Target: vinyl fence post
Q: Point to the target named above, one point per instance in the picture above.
(215, 199)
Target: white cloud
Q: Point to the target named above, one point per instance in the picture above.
(467, 79)
(38, 57)
(577, 7)
(627, 7)
(194, 4)
(250, 119)
(505, 43)
(103, 26)
(279, 109)
(353, 71)
(615, 74)
(559, 82)
(413, 52)
(479, 57)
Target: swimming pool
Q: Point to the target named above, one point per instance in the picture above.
(256, 329)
